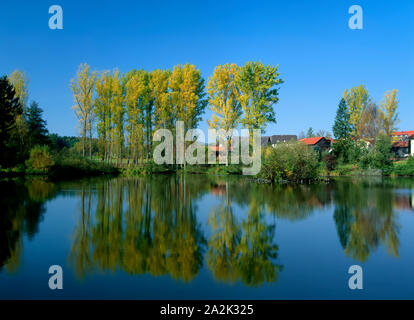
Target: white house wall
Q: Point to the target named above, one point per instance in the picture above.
(412, 147)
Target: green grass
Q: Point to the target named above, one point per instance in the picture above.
(224, 170)
(78, 167)
(402, 168)
(147, 168)
(345, 170)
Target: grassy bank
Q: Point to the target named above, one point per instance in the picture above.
(402, 168)
(293, 163)
(66, 168)
(152, 168)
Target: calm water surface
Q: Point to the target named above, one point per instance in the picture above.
(198, 236)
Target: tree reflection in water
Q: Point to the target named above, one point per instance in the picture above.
(150, 225)
(22, 208)
(365, 217)
(157, 233)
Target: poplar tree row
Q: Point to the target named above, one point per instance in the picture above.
(128, 108)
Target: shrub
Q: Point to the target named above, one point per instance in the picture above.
(380, 156)
(40, 159)
(358, 152)
(75, 167)
(382, 152)
(148, 168)
(221, 169)
(349, 151)
(403, 168)
(290, 161)
(330, 160)
(345, 169)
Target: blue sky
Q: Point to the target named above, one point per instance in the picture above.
(318, 55)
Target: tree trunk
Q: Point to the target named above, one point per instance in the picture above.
(83, 138)
(90, 139)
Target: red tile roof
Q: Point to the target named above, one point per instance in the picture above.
(311, 141)
(220, 148)
(403, 133)
(400, 144)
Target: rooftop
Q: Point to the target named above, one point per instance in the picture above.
(403, 133)
(311, 141)
(400, 144)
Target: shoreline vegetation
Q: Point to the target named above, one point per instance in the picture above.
(78, 168)
(119, 113)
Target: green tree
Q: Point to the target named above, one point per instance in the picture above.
(310, 133)
(36, 125)
(382, 152)
(258, 93)
(342, 128)
(10, 108)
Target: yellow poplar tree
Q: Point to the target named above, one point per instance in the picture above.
(158, 86)
(187, 93)
(82, 87)
(103, 111)
(117, 111)
(20, 83)
(389, 114)
(136, 96)
(224, 98)
(357, 99)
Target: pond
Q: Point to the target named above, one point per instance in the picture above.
(206, 237)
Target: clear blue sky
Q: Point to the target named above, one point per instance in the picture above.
(318, 55)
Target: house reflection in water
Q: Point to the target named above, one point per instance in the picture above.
(404, 201)
(412, 199)
(218, 190)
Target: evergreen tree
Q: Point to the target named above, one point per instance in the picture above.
(10, 108)
(36, 125)
(342, 128)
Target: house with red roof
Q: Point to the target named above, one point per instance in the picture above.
(411, 150)
(220, 150)
(401, 149)
(403, 135)
(403, 145)
(321, 142)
